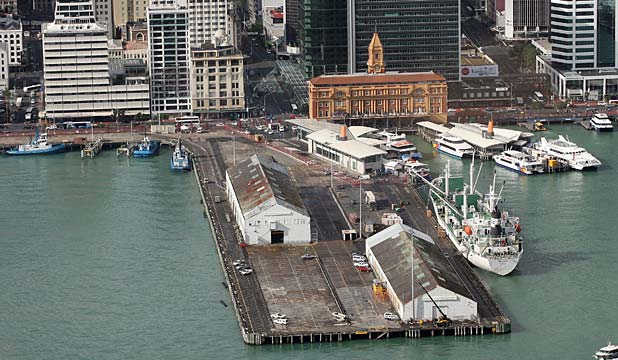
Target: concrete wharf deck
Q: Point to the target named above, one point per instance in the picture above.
(308, 291)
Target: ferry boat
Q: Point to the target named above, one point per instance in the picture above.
(519, 162)
(577, 157)
(402, 149)
(390, 137)
(601, 123)
(180, 158)
(453, 146)
(147, 148)
(487, 236)
(38, 146)
(608, 352)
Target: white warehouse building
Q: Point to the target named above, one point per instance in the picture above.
(266, 203)
(390, 251)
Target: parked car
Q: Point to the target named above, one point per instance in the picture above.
(219, 124)
(278, 316)
(391, 316)
(280, 321)
(338, 315)
(358, 258)
(245, 271)
(361, 264)
(308, 256)
(238, 262)
(363, 268)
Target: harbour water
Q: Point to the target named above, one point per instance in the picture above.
(113, 259)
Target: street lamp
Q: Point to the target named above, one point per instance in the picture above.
(360, 207)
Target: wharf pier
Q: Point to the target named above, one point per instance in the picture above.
(309, 291)
(92, 149)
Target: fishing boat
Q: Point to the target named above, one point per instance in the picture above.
(519, 162)
(38, 146)
(607, 352)
(147, 148)
(453, 146)
(180, 158)
(577, 157)
(600, 122)
(486, 235)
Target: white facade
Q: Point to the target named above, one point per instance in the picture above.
(573, 35)
(4, 67)
(390, 253)
(264, 216)
(76, 68)
(217, 80)
(205, 18)
(169, 57)
(11, 34)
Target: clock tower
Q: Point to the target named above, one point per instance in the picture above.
(375, 63)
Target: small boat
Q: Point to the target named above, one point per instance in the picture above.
(401, 149)
(539, 126)
(519, 162)
(414, 167)
(147, 148)
(600, 122)
(561, 148)
(180, 158)
(38, 146)
(453, 146)
(608, 352)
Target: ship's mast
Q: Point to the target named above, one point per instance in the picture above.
(447, 174)
(465, 202)
(472, 175)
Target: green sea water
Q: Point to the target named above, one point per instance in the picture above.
(113, 259)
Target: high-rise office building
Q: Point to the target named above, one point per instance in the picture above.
(77, 71)
(294, 21)
(169, 57)
(205, 18)
(416, 35)
(11, 34)
(524, 18)
(325, 37)
(583, 34)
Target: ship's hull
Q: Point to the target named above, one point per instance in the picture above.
(54, 149)
(457, 154)
(513, 167)
(497, 265)
(176, 166)
(154, 150)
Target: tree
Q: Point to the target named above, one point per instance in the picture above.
(529, 54)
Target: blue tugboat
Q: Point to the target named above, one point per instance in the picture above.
(180, 158)
(38, 146)
(147, 148)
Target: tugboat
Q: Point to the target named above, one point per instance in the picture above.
(38, 146)
(180, 158)
(608, 352)
(147, 148)
(487, 236)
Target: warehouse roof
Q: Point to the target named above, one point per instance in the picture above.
(380, 78)
(474, 136)
(391, 248)
(433, 126)
(260, 183)
(349, 147)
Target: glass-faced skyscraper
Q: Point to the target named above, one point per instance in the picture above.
(417, 35)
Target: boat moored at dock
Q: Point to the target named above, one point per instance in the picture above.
(401, 149)
(180, 158)
(519, 162)
(147, 148)
(577, 157)
(607, 352)
(38, 146)
(453, 146)
(600, 122)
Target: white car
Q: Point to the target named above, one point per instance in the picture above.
(361, 264)
(280, 321)
(220, 124)
(278, 316)
(338, 315)
(391, 316)
(238, 262)
(358, 258)
(245, 271)
(52, 127)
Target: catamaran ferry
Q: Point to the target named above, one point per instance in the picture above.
(453, 146)
(577, 157)
(519, 162)
(601, 123)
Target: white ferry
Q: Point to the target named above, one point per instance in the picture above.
(600, 122)
(390, 137)
(402, 149)
(577, 157)
(453, 146)
(608, 352)
(519, 162)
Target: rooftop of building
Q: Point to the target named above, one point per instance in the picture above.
(392, 249)
(474, 135)
(350, 146)
(260, 182)
(135, 45)
(475, 60)
(8, 23)
(377, 78)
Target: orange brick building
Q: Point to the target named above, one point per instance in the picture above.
(378, 94)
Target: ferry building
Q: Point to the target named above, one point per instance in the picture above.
(378, 94)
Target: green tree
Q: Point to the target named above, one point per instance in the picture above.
(529, 53)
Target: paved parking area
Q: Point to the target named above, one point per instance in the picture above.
(324, 212)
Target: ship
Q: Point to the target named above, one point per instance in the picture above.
(487, 236)
(601, 123)
(519, 162)
(146, 148)
(577, 157)
(453, 146)
(180, 158)
(39, 145)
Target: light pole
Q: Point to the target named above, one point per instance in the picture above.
(234, 143)
(360, 207)
(331, 175)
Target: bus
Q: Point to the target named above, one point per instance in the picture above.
(35, 87)
(77, 124)
(539, 97)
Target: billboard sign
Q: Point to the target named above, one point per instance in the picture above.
(479, 71)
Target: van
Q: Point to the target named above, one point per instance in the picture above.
(364, 177)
